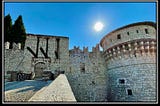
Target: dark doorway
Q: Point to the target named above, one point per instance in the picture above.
(38, 69)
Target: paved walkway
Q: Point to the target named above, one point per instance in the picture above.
(58, 91)
(22, 91)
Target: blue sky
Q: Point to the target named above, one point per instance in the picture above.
(76, 20)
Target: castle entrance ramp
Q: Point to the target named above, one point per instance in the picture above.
(58, 91)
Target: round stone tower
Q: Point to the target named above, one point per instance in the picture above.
(130, 55)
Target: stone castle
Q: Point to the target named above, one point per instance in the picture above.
(125, 70)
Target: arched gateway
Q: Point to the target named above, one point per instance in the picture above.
(39, 68)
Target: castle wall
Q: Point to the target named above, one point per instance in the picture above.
(124, 71)
(27, 61)
(64, 54)
(87, 75)
(139, 76)
(12, 59)
(131, 63)
(62, 62)
(38, 50)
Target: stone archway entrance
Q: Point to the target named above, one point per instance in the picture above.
(38, 69)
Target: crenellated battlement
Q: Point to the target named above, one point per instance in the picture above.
(7, 44)
(76, 49)
(95, 49)
(85, 49)
(131, 48)
(16, 46)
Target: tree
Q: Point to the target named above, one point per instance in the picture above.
(7, 28)
(18, 32)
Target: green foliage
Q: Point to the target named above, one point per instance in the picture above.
(17, 31)
(7, 28)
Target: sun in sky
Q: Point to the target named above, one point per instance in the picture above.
(98, 26)
(95, 19)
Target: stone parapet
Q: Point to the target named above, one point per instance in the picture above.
(134, 48)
